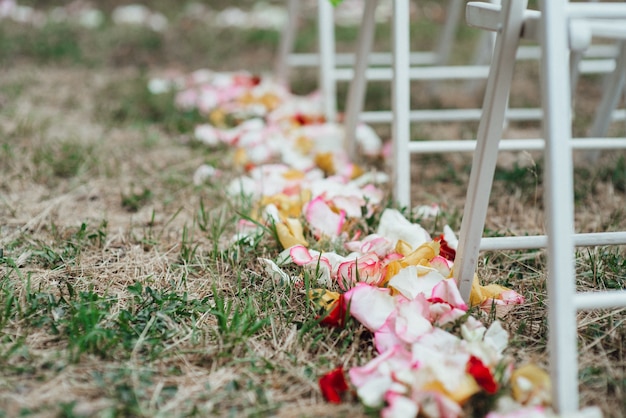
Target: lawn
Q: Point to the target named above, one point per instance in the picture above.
(121, 291)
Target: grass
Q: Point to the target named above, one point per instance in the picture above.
(121, 293)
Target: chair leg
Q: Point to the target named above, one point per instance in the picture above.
(356, 91)
(326, 36)
(401, 103)
(612, 91)
(287, 40)
(488, 137)
(559, 198)
(446, 40)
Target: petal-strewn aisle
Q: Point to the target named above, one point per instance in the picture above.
(434, 354)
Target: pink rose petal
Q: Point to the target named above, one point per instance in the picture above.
(370, 305)
(300, 255)
(374, 379)
(386, 337)
(410, 284)
(322, 219)
(443, 313)
(435, 404)
(366, 268)
(411, 320)
(447, 291)
(442, 265)
(399, 406)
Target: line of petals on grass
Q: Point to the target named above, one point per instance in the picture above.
(396, 282)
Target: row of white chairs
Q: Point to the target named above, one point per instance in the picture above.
(562, 33)
(563, 30)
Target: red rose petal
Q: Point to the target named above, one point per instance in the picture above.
(333, 385)
(337, 315)
(482, 375)
(444, 249)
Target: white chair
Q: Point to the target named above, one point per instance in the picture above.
(338, 67)
(614, 87)
(403, 73)
(560, 27)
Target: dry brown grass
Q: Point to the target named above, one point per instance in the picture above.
(189, 367)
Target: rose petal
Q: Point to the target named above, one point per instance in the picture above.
(399, 406)
(366, 268)
(300, 255)
(205, 172)
(410, 320)
(336, 316)
(497, 337)
(290, 233)
(531, 385)
(409, 284)
(207, 134)
(443, 313)
(442, 265)
(436, 404)
(370, 305)
(375, 378)
(450, 237)
(482, 375)
(275, 272)
(427, 211)
(445, 250)
(494, 296)
(322, 219)
(394, 226)
(373, 243)
(386, 337)
(448, 291)
(333, 385)
(533, 412)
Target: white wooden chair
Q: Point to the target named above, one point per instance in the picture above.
(402, 73)
(338, 67)
(560, 27)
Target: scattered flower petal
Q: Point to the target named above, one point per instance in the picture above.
(399, 406)
(396, 227)
(290, 233)
(370, 305)
(482, 375)
(275, 272)
(333, 385)
(410, 283)
(531, 385)
(322, 219)
(494, 296)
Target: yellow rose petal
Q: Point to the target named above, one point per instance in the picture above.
(304, 144)
(357, 172)
(217, 117)
(392, 269)
(476, 294)
(288, 206)
(270, 101)
(325, 162)
(479, 293)
(323, 298)
(467, 387)
(403, 247)
(241, 157)
(290, 233)
(426, 251)
(293, 174)
(531, 385)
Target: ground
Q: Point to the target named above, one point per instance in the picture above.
(115, 296)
